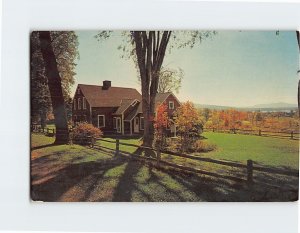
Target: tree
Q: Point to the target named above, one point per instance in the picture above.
(148, 51)
(298, 39)
(65, 48)
(40, 98)
(189, 123)
(55, 88)
(161, 124)
(170, 80)
(206, 113)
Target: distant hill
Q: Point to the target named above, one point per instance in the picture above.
(262, 107)
(215, 107)
(275, 105)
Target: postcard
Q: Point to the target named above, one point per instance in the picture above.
(164, 116)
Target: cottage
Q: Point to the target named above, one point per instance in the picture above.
(116, 110)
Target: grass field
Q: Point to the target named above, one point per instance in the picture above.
(77, 173)
(239, 148)
(263, 150)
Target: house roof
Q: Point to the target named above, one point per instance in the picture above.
(161, 97)
(119, 97)
(97, 97)
(134, 112)
(125, 103)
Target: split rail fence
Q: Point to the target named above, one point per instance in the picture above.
(47, 131)
(279, 134)
(249, 167)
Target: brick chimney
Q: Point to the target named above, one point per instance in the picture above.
(106, 85)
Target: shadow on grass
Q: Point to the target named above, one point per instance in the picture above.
(43, 146)
(84, 179)
(68, 177)
(126, 185)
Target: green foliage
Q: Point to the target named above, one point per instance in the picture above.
(65, 46)
(170, 80)
(189, 123)
(40, 96)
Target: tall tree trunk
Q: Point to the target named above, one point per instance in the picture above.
(298, 39)
(55, 88)
(150, 52)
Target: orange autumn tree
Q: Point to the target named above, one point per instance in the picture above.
(161, 124)
(189, 123)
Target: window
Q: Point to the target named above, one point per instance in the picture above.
(114, 123)
(74, 104)
(171, 104)
(78, 91)
(142, 123)
(119, 124)
(79, 103)
(84, 103)
(101, 121)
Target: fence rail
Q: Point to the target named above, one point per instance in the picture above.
(280, 134)
(249, 167)
(39, 129)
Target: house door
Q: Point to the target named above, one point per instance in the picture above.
(136, 125)
(118, 124)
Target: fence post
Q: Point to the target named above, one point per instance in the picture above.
(158, 156)
(259, 132)
(117, 147)
(92, 142)
(249, 171)
(292, 134)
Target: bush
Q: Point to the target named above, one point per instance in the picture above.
(83, 131)
(202, 146)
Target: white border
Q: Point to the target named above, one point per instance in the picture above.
(16, 210)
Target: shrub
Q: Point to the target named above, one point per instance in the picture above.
(83, 131)
(202, 146)
(189, 123)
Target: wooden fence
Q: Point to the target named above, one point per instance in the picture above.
(249, 167)
(47, 131)
(279, 134)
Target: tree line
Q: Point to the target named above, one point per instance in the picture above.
(250, 120)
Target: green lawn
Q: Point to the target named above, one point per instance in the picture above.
(239, 148)
(264, 150)
(78, 173)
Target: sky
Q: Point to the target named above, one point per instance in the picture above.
(233, 68)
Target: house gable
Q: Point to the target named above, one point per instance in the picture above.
(168, 98)
(80, 107)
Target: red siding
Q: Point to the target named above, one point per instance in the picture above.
(176, 105)
(107, 112)
(82, 114)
